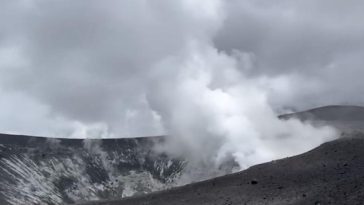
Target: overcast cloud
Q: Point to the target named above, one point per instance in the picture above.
(198, 68)
(89, 61)
(318, 44)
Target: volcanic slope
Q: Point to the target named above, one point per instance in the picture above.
(332, 173)
(49, 171)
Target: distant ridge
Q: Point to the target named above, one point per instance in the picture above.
(26, 139)
(330, 113)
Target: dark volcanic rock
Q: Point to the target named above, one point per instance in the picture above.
(333, 173)
(36, 170)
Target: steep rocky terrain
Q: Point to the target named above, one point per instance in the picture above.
(49, 171)
(36, 170)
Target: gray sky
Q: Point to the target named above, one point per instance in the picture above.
(118, 68)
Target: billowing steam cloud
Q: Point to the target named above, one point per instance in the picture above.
(212, 74)
(215, 114)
